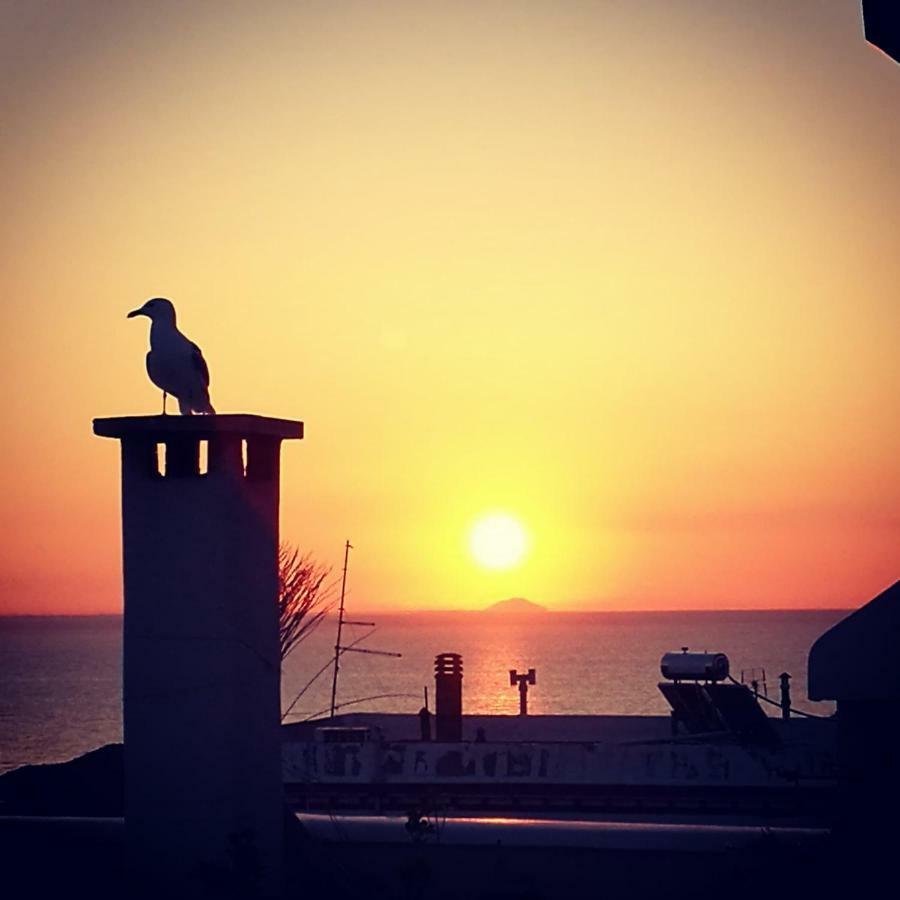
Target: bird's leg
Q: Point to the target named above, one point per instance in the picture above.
(164, 402)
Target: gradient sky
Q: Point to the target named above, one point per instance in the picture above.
(627, 271)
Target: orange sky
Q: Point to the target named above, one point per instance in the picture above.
(627, 272)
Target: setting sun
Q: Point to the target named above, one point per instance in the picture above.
(498, 541)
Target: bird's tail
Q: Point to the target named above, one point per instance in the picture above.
(191, 405)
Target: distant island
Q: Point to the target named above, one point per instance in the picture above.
(515, 606)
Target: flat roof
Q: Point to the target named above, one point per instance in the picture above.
(612, 729)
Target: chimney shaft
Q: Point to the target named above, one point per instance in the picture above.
(448, 674)
(201, 667)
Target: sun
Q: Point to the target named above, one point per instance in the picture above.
(498, 541)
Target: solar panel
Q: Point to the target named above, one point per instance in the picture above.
(694, 711)
(705, 708)
(742, 714)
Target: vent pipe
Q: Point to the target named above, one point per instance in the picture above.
(448, 673)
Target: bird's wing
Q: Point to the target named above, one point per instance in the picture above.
(199, 364)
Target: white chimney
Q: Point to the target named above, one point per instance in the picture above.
(201, 667)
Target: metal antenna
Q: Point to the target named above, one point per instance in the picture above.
(338, 647)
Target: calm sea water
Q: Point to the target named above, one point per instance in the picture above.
(61, 677)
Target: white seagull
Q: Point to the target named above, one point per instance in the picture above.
(175, 364)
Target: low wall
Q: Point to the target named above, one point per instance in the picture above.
(407, 762)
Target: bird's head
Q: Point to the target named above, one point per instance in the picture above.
(157, 310)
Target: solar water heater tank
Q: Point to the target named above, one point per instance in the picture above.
(685, 666)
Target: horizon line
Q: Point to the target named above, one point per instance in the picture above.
(487, 609)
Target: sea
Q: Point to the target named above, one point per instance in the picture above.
(61, 677)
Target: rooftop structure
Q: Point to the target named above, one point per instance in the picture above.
(857, 658)
(201, 666)
(855, 663)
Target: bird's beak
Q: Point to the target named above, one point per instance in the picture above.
(136, 312)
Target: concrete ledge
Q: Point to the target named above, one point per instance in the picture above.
(601, 835)
(160, 428)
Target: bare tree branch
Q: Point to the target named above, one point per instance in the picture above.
(303, 597)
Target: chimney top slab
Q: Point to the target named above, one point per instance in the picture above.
(162, 428)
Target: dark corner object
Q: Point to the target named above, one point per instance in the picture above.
(881, 25)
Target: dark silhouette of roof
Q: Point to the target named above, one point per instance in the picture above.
(858, 658)
(881, 23)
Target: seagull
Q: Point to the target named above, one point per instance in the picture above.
(175, 364)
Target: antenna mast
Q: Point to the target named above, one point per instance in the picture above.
(340, 648)
(337, 646)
